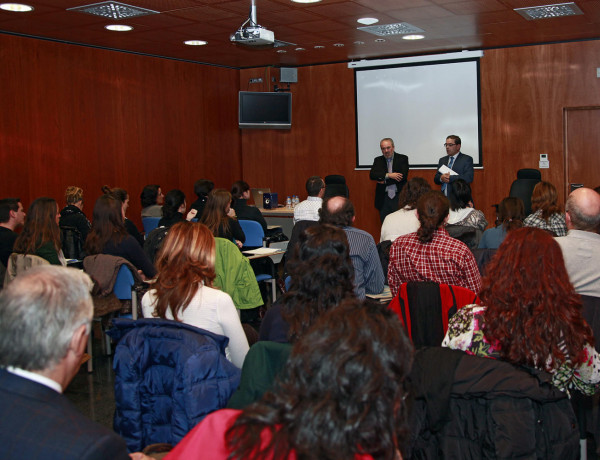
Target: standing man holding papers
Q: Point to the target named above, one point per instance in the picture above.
(390, 170)
(455, 165)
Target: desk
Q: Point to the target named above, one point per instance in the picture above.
(262, 252)
(280, 217)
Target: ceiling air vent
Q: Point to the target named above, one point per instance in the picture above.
(549, 11)
(113, 10)
(385, 30)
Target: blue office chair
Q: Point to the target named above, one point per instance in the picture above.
(124, 289)
(255, 238)
(254, 233)
(150, 223)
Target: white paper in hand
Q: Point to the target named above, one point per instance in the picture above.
(445, 169)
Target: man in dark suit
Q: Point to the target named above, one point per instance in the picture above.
(457, 161)
(390, 170)
(45, 319)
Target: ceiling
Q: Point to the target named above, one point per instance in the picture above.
(327, 31)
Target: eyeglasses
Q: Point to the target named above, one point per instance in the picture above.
(449, 145)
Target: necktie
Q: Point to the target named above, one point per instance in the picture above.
(445, 186)
(390, 189)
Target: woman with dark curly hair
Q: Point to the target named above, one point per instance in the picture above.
(430, 254)
(219, 217)
(532, 314)
(152, 199)
(546, 213)
(322, 276)
(405, 220)
(41, 235)
(462, 211)
(183, 290)
(173, 208)
(341, 397)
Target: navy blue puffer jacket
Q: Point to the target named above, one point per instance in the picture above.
(168, 377)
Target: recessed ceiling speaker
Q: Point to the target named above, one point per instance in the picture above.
(288, 75)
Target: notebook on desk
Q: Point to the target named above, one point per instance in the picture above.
(257, 195)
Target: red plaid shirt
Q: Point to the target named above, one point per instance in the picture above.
(443, 260)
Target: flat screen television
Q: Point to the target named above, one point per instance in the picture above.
(260, 110)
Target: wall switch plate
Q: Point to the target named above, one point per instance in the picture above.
(544, 162)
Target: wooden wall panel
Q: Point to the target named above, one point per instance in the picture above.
(73, 115)
(523, 93)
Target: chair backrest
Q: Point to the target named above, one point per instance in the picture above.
(468, 235)
(20, 263)
(124, 283)
(523, 186)
(335, 185)
(150, 223)
(72, 242)
(154, 241)
(254, 233)
(300, 226)
(168, 377)
(425, 308)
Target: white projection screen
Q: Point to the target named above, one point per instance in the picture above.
(418, 104)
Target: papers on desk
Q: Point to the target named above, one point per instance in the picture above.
(262, 251)
(445, 169)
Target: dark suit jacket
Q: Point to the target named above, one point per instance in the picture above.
(463, 166)
(39, 423)
(379, 170)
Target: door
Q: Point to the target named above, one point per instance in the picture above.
(582, 146)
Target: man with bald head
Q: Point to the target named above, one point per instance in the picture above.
(368, 273)
(581, 246)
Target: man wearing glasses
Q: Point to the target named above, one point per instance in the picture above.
(455, 160)
(390, 170)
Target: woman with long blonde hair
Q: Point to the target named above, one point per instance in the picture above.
(183, 289)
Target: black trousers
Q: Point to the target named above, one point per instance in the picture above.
(390, 205)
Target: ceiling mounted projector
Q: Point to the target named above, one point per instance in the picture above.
(252, 34)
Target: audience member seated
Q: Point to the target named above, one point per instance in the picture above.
(546, 213)
(109, 236)
(41, 235)
(12, 216)
(368, 273)
(321, 277)
(405, 220)
(152, 199)
(240, 191)
(174, 208)
(183, 288)
(122, 195)
(461, 207)
(72, 214)
(581, 246)
(220, 219)
(45, 320)
(430, 254)
(342, 397)
(309, 208)
(202, 188)
(531, 314)
(510, 217)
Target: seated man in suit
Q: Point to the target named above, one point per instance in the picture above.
(457, 161)
(368, 273)
(45, 319)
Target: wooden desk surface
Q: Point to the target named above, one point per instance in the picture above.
(279, 212)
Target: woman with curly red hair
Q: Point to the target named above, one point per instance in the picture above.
(532, 314)
(546, 213)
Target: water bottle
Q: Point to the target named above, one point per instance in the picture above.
(288, 203)
(296, 201)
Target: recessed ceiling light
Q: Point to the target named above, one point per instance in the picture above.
(118, 28)
(359, 43)
(379, 40)
(367, 21)
(306, 1)
(318, 47)
(195, 42)
(413, 37)
(338, 45)
(299, 49)
(281, 51)
(16, 7)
